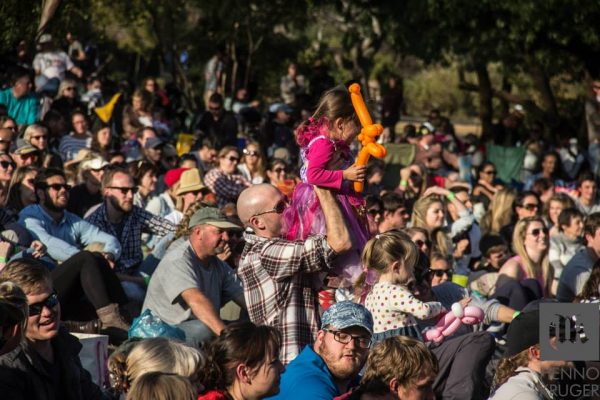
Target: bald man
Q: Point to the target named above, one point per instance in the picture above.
(277, 274)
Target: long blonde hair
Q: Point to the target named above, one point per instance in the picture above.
(437, 235)
(500, 211)
(261, 163)
(519, 246)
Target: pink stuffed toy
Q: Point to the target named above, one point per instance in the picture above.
(451, 321)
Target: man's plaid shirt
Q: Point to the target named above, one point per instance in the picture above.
(135, 223)
(278, 277)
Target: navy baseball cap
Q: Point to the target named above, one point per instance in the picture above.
(346, 314)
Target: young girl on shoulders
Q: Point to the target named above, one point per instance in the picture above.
(328, 162)
(392, 256)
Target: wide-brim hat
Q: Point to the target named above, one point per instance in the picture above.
(190, 181)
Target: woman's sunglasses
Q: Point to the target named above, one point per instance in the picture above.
(250, 153)
(536, 232)
(441, 272)
(6, 164)
(374, 211)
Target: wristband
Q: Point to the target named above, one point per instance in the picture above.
(450, 196)
(3, 259)
(516, 314)
(403, 183)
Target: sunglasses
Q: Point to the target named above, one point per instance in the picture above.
(50, 302)
(69, 88)
(58, 186)
(5, 140)
(278, 209)
(536, 232)
(39, 137)
(279, 170)
(233, 159)
(490, 172)
(441, 272)
(374, 211)
(250, 153)
(6, 164)
(421, 243)
(124, 190)
(530, 207)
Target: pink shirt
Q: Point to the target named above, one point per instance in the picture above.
(320, 151)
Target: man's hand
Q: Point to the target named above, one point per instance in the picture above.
(355, 173)
(39, 249)
(110, 258)
(225, 254)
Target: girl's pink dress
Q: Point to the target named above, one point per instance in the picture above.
(304, 217)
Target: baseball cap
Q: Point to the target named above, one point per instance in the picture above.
(346, 314)
(212, 216)
(152, 143)
(24, 148)
(45, 38)
(173, 176)
(523, 332)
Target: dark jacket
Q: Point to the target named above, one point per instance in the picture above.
(23, 377)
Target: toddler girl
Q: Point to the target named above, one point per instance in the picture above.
(392, 256)
(327, 162)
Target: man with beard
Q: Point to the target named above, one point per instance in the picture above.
(191, 284)
(278, 274)
(45, 364)
(119, 217)
(80, 274)
(331, 366)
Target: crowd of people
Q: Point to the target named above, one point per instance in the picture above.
(251, 241)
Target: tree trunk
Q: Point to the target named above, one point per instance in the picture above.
(542, 85)
(486, 112)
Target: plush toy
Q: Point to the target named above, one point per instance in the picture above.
(368, 133)
(451, 321)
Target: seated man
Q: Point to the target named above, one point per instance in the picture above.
(80, 273)
(119, 217)
(190, 284)
(277, 273)
(399, 368)
(329, 367)
(46, 363)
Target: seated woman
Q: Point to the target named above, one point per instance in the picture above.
(486, 186)
(528, 275)
(235, 370)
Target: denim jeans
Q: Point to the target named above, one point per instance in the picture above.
(196, 332)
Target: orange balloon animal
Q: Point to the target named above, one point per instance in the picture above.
(368, 133)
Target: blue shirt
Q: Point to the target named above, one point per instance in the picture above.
(307, 377)
(67, 237)
(23, 110)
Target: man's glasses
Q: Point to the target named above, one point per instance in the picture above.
(530, 207)
(441, 272)
(50, 302)
(124, 190)
(6, 164)
(58, 186)
(536, 232)
(250, 153)
(364, 342)
(278, 209)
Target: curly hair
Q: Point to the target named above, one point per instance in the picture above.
(508, 366)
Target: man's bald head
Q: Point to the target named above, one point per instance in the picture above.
(255, 199)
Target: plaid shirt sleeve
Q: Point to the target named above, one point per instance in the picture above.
(154, 224)
(282, 259)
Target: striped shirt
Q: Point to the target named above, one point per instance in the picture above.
(70, 145)
(277, 279)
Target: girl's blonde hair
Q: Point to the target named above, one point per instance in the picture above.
(531, 268)
(437, 235)
(158, 354)
(382, 250)
(500, 211)
(162, 386)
